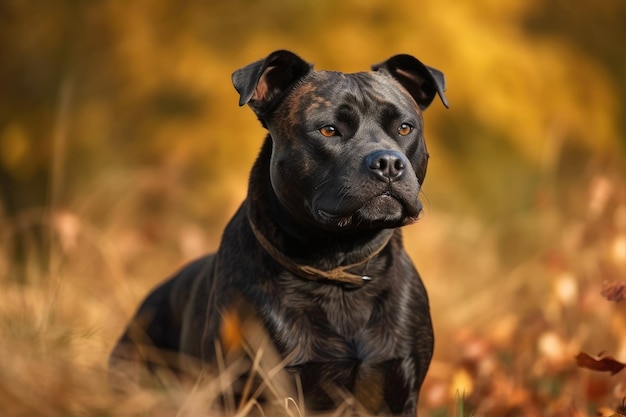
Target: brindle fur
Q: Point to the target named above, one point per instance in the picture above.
(373, 340)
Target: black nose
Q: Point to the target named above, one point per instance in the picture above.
(386, 165)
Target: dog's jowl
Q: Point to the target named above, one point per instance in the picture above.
(311, 272)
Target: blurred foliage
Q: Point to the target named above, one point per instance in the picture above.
(149, 86)
(123, 153)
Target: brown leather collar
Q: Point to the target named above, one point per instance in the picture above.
(339, 274)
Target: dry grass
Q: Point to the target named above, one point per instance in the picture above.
(506, 339)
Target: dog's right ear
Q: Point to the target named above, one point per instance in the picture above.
(421, 81)
(263, 83)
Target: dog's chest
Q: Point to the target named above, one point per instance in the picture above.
(344, 312)
(337, 325)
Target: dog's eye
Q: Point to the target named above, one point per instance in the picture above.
(405, 129)
(328, 131)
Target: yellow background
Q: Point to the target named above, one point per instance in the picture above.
(123, 153)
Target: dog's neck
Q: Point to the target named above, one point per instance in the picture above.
(341, 274)
(273, 225)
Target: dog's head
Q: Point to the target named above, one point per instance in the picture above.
(348, 150)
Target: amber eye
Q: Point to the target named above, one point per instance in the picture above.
(328, 131)
(405, 129)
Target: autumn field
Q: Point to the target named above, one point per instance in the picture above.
(123, 154)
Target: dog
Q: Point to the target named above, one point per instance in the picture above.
(314, 255)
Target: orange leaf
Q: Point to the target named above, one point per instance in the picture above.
(602, 364)
(614, 290)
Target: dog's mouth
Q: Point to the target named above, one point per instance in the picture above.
(382, 211)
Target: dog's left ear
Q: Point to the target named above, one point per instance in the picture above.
(421, 81)
(264, 83)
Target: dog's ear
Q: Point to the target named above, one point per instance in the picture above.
(421, 81)
(263, 83)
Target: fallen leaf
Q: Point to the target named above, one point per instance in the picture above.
(603, 364)
(614, 290)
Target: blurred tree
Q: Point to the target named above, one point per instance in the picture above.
(151, 113)
(596, 28)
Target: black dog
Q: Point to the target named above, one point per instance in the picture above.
(314, 255)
